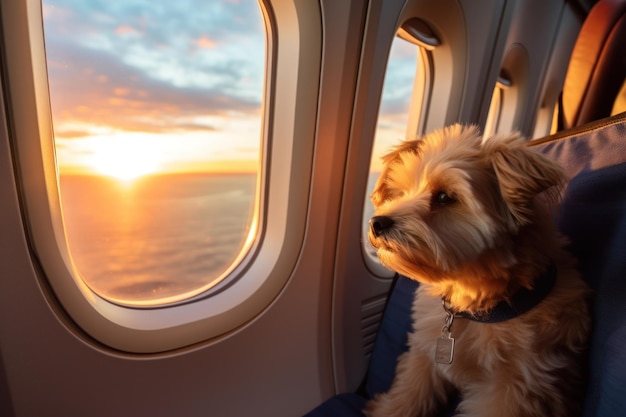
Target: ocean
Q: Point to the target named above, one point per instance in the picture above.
(162, 235)
(158, 236)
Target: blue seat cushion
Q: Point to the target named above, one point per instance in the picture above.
(342, 405)
(392, 337)
(594, 218)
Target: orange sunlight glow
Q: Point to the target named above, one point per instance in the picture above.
(124, 159)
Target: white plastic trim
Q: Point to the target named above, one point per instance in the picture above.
(294, 54)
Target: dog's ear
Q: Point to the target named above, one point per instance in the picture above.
(522, 174)
(381, 192)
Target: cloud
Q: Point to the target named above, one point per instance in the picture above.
(71, 134)
(108, 92)
(205, 43)
(127, 30)
(399, 78)
(152, 67)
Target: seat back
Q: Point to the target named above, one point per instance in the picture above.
(593, 216)
(597, 66)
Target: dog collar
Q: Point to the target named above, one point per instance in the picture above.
(522, 301)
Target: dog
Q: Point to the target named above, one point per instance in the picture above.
(501, 314)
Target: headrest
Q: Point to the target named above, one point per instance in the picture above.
(597, 66)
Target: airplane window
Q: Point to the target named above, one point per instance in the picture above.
(495, 107)
(157, 120)
(491, 126)
(399, 112)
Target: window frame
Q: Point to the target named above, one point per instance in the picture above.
(496, 106)
(293, 55)
(418, 110)
(513, 84)
(434, 53)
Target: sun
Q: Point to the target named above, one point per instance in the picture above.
(125, 169)
(123, 158)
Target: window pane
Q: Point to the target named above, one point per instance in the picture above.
(493, 117)
(399, 95)
(396, 100)
(157, 121)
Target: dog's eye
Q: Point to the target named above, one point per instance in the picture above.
(441, 198)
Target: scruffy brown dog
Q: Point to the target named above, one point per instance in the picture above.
(501, 314)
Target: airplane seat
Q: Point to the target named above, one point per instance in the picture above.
(597, 67)
(592, 215)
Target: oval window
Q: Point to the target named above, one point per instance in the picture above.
(157, 120)
(401, 106)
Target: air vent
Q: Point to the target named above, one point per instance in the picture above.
(371, 314)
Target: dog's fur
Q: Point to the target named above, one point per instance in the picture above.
(471, 221)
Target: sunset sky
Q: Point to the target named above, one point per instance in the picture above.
(150, 86)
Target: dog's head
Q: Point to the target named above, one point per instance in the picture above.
(445, 200)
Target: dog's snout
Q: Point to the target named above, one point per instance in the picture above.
(378, 224)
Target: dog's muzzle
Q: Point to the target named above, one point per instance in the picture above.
(378, 225)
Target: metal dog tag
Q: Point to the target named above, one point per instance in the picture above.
(445, 350)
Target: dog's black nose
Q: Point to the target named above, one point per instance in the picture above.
(378, 224)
